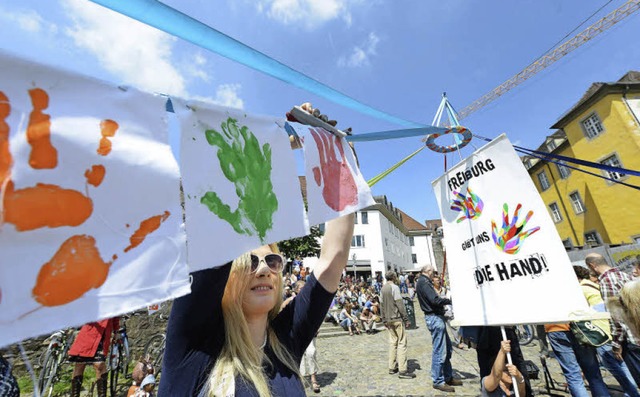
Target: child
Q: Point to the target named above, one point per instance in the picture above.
(140, 371)
(146, 387)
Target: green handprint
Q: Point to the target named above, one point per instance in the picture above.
(248, 166)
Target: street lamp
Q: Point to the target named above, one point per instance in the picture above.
(353, 257)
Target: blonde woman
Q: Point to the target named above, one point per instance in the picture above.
(229, 337)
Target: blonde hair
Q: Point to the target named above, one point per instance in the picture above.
(239, 357)
(626, 306)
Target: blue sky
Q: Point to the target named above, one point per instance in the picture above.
(397, 56)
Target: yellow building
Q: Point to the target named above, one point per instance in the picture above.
(603, 127)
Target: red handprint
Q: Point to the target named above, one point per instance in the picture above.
(77, 266)
(340, 189)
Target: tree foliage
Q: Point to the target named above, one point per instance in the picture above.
(306, 246)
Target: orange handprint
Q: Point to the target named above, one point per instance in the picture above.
(340, 189)
(77, 266)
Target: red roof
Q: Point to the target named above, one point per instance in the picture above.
(410, 223)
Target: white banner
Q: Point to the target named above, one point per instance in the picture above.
(335, 186)
(507, 264)
(240, 185)
(90, 216)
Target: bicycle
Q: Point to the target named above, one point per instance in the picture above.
(154, 351)
(525, 334)
(54, 356)
(119, 357)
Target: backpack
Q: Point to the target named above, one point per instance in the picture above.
(589, 334)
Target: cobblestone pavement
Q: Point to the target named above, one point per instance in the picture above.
(357, 366)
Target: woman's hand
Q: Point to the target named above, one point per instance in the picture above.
(513, 371)
(505, 346)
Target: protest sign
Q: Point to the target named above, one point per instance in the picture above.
(335, 186)
(506, 261)
(240, 185)
(91, 223)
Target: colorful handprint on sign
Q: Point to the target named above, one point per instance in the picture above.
(510, 237)
(339, 190)
(77, 265)
(471, 205)
(248, 166)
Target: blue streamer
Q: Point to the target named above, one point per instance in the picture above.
(395, 134)
(167, 19)
(547, 156)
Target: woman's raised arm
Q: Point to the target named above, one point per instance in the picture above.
(335, 252)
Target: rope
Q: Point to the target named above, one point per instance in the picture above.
(378, 177)
(550, 158)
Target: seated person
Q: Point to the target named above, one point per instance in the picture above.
(348, 321)
(499, 383)
(367, 319)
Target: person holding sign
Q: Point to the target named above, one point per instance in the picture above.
(500, 382)
(433, 307)
(228, 337)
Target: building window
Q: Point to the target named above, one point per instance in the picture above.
(555, 212)
(567, 243)
(386, 242)
(592, 238)
(551, 145)
(563, 170)
(592, 126)
(576, 201)
(365, 217)
(321, 227)
(355, 218)
(411, 241)
(414, 258)
(544, 181)
(613, 161)
(357, 241)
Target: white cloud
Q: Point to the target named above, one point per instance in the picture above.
(28, 20)
(310, 13)
(360, 55)
(196, 67)
(135, 52)
(226, 95)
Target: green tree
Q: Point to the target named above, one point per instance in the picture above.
(302, 246)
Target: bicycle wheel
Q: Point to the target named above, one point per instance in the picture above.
(47, 376)
(115, 367)
(525, 334)
(154, 350)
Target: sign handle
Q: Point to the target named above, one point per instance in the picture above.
(513, 378)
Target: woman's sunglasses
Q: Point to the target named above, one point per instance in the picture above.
(274, 261)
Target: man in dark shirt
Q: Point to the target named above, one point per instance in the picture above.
(433, 307)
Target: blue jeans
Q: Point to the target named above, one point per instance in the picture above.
(631, 355)
(346, 323)
(441, 370)
(572, 357)
(618, 369)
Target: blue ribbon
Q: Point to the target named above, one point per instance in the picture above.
(167, 19)
(549, 156)
(395, 134)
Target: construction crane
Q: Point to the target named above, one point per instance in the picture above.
(547, 60)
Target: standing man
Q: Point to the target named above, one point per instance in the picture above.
(625, 345)
(394, 317)
(433, 307)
